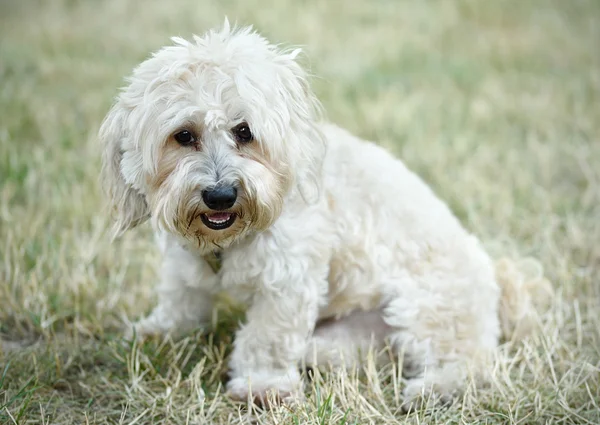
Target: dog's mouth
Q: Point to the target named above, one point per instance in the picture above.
(218, 220)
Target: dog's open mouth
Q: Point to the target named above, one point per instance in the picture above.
(218, 220)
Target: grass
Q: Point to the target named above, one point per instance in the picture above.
(495, 104)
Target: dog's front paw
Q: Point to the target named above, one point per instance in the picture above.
(266, 388)
(420, 396)
(145, 328)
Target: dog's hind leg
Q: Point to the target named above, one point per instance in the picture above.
(445, 327)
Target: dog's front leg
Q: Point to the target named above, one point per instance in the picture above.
(185, 293)
(269, 347)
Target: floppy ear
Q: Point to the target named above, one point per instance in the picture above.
(128, 204)
(305, 116)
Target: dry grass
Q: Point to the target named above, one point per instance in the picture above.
(496, 104)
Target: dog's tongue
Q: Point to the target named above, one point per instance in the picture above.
(219, 217)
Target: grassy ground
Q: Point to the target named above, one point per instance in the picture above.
(496, 104)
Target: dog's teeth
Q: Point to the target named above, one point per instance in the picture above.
(220, 220)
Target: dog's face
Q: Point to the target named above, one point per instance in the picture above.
(210, 136)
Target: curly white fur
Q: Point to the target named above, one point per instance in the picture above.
(329, 229)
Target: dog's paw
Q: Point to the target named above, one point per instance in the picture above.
(266, 389)
(143, 329)
(426, 401)
(418, 397)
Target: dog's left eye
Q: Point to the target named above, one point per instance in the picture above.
(242, 133)
(185, 138)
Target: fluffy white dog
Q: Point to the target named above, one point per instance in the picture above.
(334, 245)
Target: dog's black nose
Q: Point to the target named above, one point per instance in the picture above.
(220, 198)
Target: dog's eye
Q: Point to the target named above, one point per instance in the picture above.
(242, 133)
(185, 138)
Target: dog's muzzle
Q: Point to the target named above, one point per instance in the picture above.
(219, 199)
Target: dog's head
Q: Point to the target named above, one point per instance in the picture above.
(209, 137)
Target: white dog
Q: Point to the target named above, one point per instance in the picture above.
(333, 244)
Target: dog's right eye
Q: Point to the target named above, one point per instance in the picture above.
(185, 138)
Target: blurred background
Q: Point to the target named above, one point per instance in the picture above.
(495, 104)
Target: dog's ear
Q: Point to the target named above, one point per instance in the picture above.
(128, 204)
(306, 114)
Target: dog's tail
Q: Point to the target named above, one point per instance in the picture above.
(525, 295)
